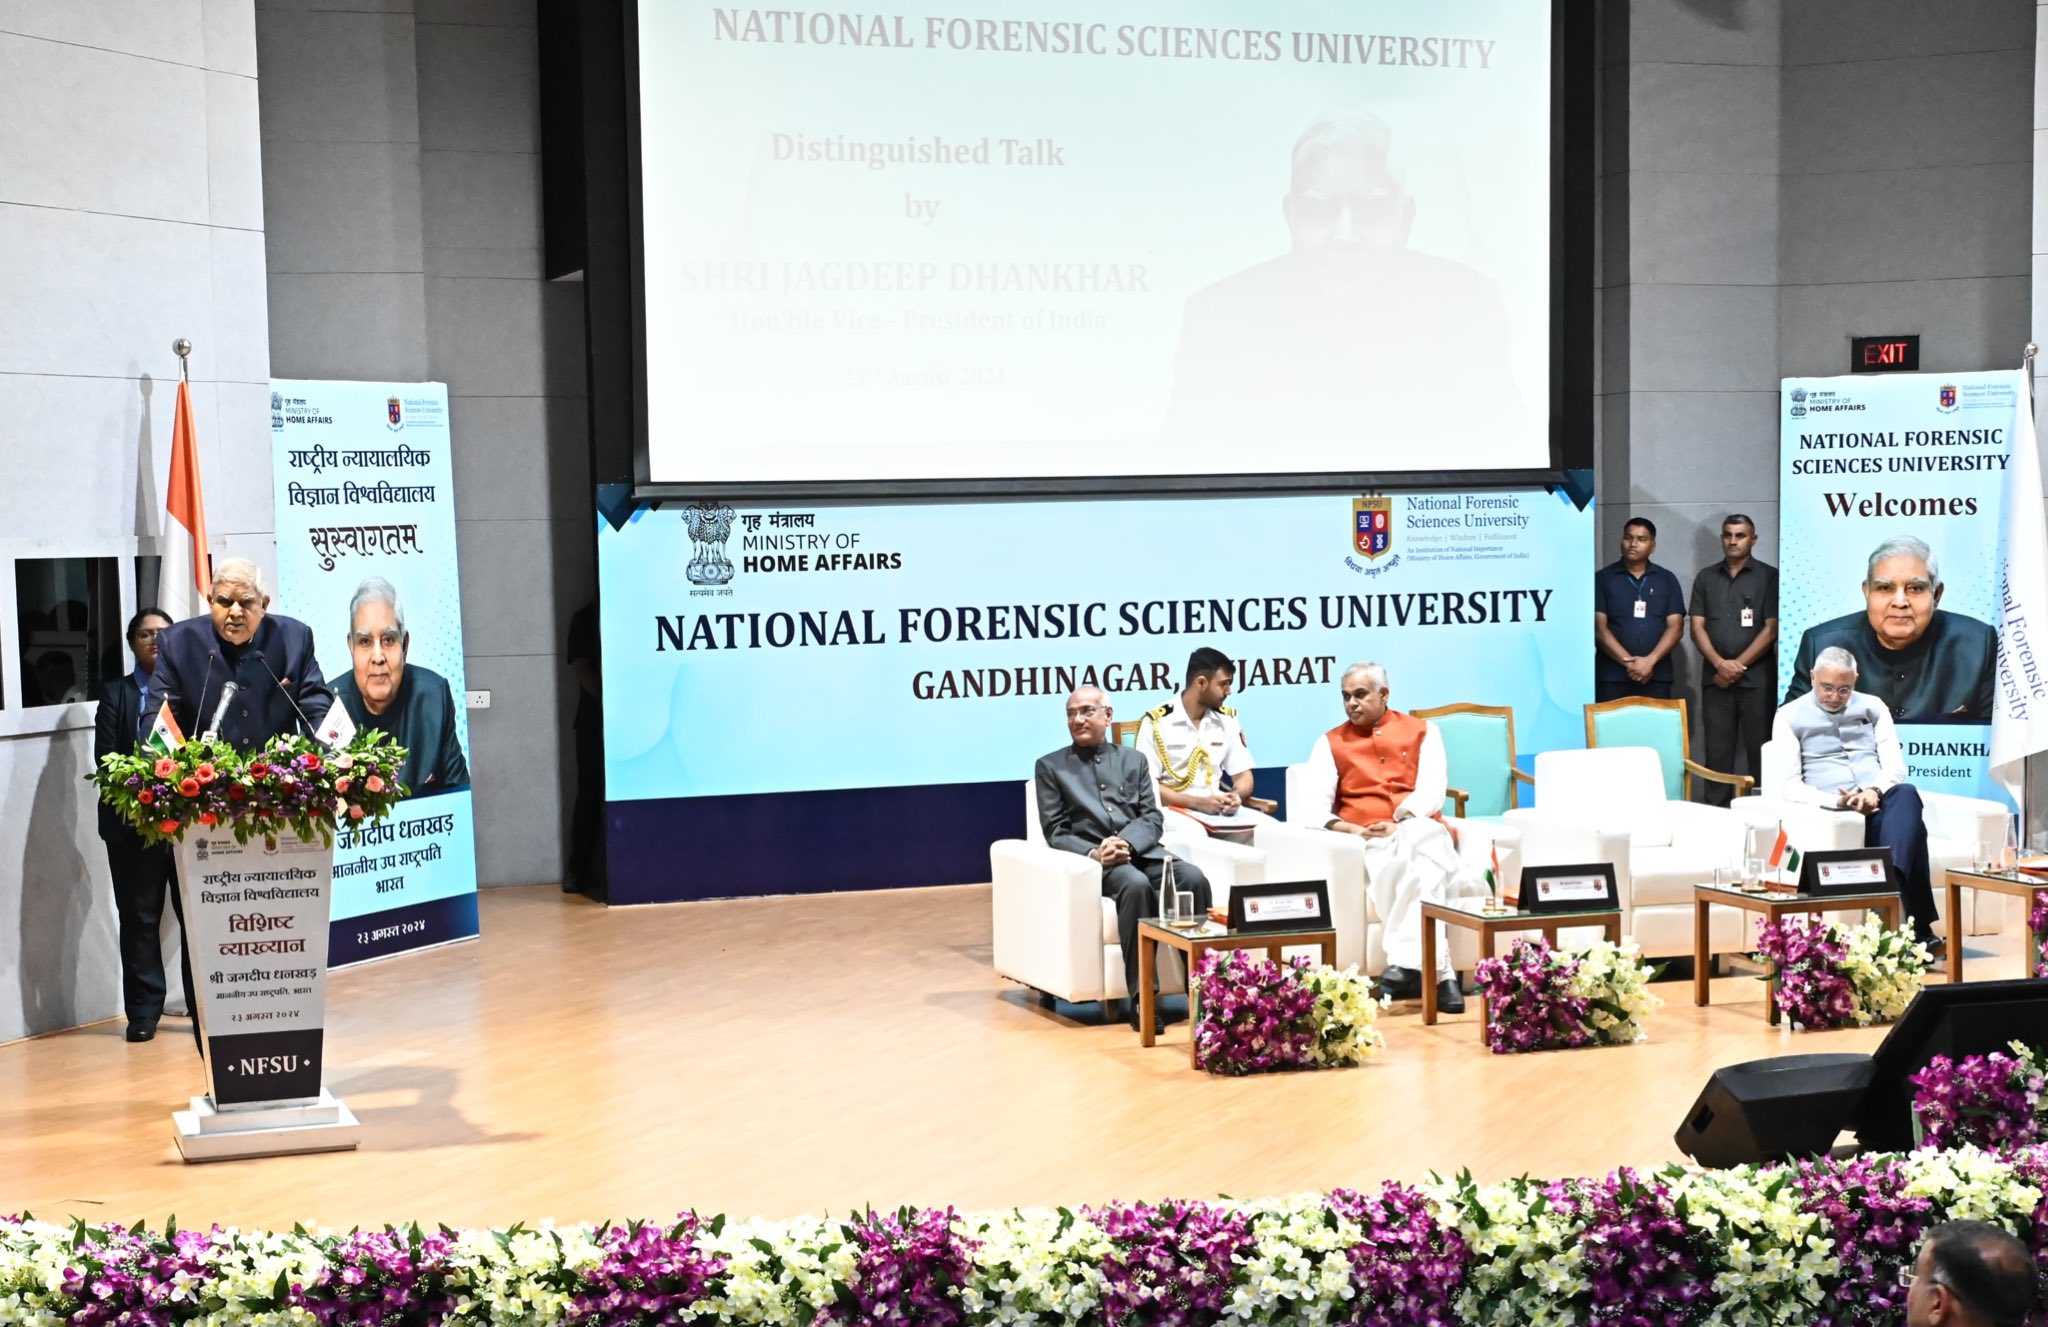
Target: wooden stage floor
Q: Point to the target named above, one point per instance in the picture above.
(779, 1056)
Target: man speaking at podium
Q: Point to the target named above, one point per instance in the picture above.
(242, 673)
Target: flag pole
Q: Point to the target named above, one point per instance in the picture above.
(2028, 353)
(182, 348)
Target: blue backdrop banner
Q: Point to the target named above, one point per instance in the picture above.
(365, 490)
(1870, 460)
(806, 648)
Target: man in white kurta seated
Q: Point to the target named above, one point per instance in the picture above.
(1380, 775)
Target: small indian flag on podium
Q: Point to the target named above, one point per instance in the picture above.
(1493, 871)
(164, 734)
(1783, 853)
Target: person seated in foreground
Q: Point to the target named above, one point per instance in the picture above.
(1970, 1274)
(1095, 798)
(1380, 775)
(1849, 760)
(1193, 745)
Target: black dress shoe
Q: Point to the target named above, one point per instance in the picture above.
(1400, 984)
(1449, 999)
(141, 1029)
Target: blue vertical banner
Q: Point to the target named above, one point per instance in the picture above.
(366, 556)
(770, 672)
(1872, 469)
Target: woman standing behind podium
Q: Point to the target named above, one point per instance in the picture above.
(143, 873)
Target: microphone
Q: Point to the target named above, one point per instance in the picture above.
(220, 709)
(259, 657)
(212, 657)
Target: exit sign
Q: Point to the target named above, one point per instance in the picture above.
(1884, 354)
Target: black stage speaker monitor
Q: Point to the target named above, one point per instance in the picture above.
(1772, 1110)
(1970, 1018)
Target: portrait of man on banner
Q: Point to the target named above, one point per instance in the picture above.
(1924, 663)
(411, 702)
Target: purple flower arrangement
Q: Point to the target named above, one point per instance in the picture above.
(1256, 1015)
(1808, 955)
(649, 1274)
(2037, 933)
(1408, 1266)
(1172, 1263)
(1989, 1101)
(910, 1269)
(1645, 1266)
(1864, 1206)
(127, 1277)
(381, 1278)
(1531, 1004)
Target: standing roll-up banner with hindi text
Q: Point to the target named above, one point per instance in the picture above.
(1869, 465)
(366, 522)
(764, 664)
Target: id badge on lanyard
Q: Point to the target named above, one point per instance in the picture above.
(1642, 609)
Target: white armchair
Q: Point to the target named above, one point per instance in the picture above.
(1053, 930)
(1955, 826)
(1358, 923)
(1607, 804)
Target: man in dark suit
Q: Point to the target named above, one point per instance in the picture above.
(267, 657)
(142, 872)
(412, 703)
(1095, 798)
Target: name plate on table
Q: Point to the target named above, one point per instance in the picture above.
(1581, 888)
(1847, 871)
(1297, 905)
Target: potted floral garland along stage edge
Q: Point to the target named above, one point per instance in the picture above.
(1830, 976)
(1540, 998)
(1256, 1015)
(293, 784)
(1819, 1242)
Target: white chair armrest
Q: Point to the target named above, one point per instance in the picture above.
(1811, 828)
(1968, 820)
(1714, 830)
(1046, 928)
(1227, 865)
(1297, 853)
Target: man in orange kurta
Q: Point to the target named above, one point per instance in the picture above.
(1380, 776)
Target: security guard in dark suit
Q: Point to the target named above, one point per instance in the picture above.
(142, 872)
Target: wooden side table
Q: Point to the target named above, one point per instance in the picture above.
(1471, 914)
(1772, 906)
(1956, 880)
(1153, 933)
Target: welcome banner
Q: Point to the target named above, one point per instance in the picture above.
(1869, 463)
(807, 647)
(366, 555)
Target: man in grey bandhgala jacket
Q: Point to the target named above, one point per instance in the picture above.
(1096, 798)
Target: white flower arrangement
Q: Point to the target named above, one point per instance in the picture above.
(1346, 1016)
(1885, 968)
(1615, 982)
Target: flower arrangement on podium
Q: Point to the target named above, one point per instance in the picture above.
(1541, 998)
(1258, 1015)
(2037, 934)
(1831, 976)
(293, 784)
(1987, 1101)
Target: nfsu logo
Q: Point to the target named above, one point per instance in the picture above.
(395, 409)
(1372, 525)
(1948, 397)
(270, 1064)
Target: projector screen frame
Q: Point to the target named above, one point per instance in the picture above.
(1572, 270)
